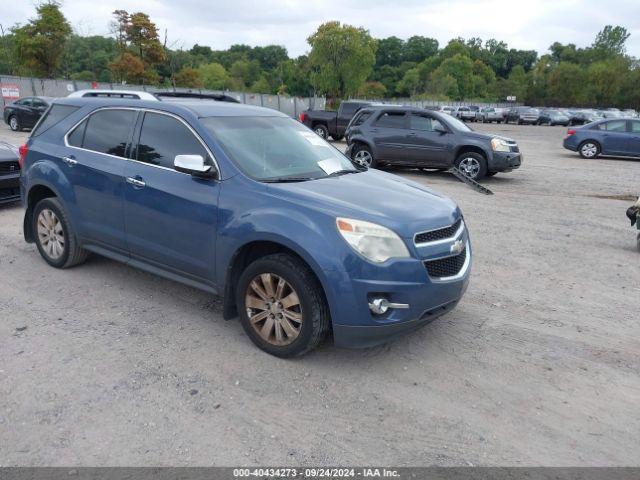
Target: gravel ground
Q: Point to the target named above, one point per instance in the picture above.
(538, 365)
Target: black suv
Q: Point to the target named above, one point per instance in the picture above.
(416, 137)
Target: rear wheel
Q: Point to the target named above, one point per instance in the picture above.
(472, 164)
(321, 130)
(589, 149)
(362, 156)
(55, 238)
(281, 305)
(14, 123)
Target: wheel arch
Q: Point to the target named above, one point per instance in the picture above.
(251, 251)
(468, 147)
(36, 193)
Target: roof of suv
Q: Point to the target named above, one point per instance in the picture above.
(199, 108)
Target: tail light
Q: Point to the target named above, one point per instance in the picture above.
(302, 117)
(570, 132)
(23, 154)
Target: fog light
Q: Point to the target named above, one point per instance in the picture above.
(379, 306)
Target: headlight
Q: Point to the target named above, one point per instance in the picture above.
(499, 145)
(372, 241)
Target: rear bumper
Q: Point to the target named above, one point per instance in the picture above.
(570, 144)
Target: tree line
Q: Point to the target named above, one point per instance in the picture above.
(343, 61)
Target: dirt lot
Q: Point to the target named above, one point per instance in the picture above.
(539, 365)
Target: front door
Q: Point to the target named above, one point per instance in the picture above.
(634, 140)
(170, 217)
(424, 144)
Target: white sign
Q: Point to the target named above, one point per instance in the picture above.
(511, 98)
(10, 91)
(69, 87)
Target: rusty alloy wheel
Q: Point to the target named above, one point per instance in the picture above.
(273, 309)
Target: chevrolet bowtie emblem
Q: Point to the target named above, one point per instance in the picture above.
(457, 247)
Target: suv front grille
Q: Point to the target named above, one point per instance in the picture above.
(446, 267)
(438, 234)
(9, 167)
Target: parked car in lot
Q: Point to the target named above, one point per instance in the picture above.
(25, 112)
(248, 203)
(489, 114)
(447, 109)
(331, 124)
(9, 174)
(408, 136)
(522, 116)
(553, 117)
(618, 136)
(465, 114)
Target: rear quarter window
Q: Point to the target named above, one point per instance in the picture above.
(52, 117)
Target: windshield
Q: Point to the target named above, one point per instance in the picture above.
(276, 148)
(458, 125)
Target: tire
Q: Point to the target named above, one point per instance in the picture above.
(589, 149)
(311, 307)
(472, 164)
(14, 123)
(321, 130)
(363, 156)
(54, 235)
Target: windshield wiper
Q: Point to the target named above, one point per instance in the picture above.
(286, 179)
(343, 172)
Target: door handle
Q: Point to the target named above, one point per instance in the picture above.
(135, 182)
(70, 161)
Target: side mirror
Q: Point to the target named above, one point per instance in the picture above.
(193, 165)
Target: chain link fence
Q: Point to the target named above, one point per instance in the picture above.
(14, 87)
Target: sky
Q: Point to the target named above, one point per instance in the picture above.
(529, 25)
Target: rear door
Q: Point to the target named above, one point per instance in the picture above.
(389, 132)
(94, 163)
(346, 113)
(424, 145)
(615, 138)
(170, 217)
(634, 140)
(38, 107)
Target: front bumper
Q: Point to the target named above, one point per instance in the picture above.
(505, 161)
(401, 281)
(9, 188)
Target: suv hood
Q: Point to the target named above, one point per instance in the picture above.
(404, 206)
(486, 136)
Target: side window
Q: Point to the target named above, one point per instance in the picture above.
(361, 117)
(616, 126)
(635, 126)
(54, 115)
(38, 103)
(25, 102)
(420, 122)
(109, 131)
(76, 137)
(391, 120)
(163, 137)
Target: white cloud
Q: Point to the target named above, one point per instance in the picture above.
(533, 24)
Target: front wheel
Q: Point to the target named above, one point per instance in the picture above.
(281, 305)
(362, 156)
(472, 164)
(14, 123)
(589, 149)
(55, 238)
(322, 131)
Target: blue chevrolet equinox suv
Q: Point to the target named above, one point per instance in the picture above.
(247, 203)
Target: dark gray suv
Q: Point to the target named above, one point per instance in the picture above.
(415, 137)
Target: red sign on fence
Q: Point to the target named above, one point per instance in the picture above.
(10, 91)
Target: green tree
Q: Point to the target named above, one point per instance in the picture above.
(460, 68)
(418, 48)
(390, 52)
(372, 90)
(411, 83)
(188, 77)
(611, 41)
(214, 76)
(39, 44)
(341, 58)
